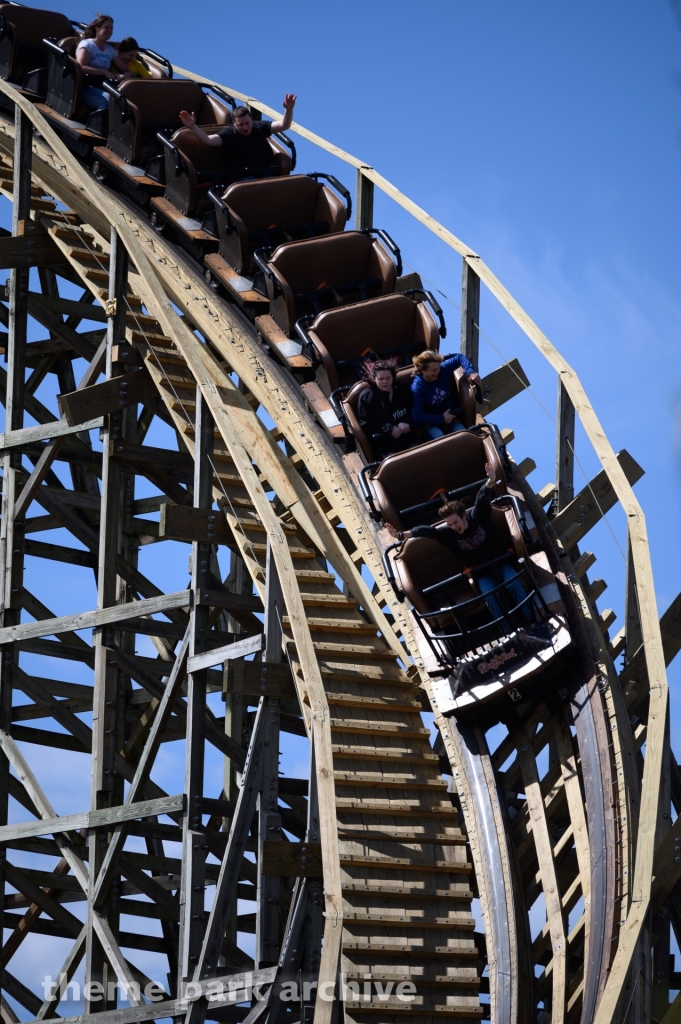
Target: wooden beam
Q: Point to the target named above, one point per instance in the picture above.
(35, 248)
(259, 679)
(239, 649)
(565, 449)
(592, 502)
(364, 201)
(501, 385)
(110, 396)
(91, 819)
(43, 432)
(292, 860)
(179, 522)
(91, 620)
(470, 315)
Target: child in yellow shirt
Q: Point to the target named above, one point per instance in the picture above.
(128, 50)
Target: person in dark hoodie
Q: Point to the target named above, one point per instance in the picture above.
(467, 532)
(432, 391)
(384, 409)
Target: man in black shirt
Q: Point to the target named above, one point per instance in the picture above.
(247, 151)
(467, 532)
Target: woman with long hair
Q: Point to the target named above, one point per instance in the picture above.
(384, 408)
(96, 56)
(432, 391)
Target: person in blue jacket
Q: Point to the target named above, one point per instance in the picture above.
(432, 391)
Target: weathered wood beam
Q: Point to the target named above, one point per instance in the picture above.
(501, 385)
(592, 503)
(92, 620)
(565, 449)
(110, 396)
(259, 679)
(91, 819)
(179, 522)
(193, 837)
(11, 531)
(35, 248)
(470, 314)
(239, 649)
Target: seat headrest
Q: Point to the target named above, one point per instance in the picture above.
(280, 201)
(70, 44)
(160, 101)
(203, 157)
(32, 25)
(416, 475)
(386, 322)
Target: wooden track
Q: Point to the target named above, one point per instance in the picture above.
(402, 857)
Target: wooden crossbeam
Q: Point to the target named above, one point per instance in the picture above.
(109, 396)
(91, 620)
(501, 385)
(239, 649)
(91, 819)
(593, 502)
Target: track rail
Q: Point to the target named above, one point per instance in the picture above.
(398, 868)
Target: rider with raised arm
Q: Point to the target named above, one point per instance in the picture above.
(467, 532)
(247, 150)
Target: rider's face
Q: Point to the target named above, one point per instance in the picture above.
(431, 371)
(244, 124)
(457, 523)
(384, 380)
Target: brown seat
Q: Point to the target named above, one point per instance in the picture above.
(393, 325)
(149, 106)
(463, 398)
(257, 214)
(422, 476)
(192, 168)
(320, 273)
(420, 564)
(22, 30)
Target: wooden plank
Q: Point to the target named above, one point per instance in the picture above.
(292, 860)
(109, 396)
(230, 601)
(239, 649)
(42, 432)
(565, 449)
(321, 407)
(240, 288)
(501, 385)
(89, 620)
(259, 679)
(289, 351)
(33, 249)
(181, 522)
(470, 315)
(92, 819)
(592, 502)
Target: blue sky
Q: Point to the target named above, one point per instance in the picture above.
(548, 138)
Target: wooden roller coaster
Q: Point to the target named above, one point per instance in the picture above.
(364, 876)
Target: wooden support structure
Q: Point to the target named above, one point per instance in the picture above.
(368, 867)
(470, 314)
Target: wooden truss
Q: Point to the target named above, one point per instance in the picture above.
(363, 877)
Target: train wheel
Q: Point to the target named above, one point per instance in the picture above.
(100, 172)
(158, 224)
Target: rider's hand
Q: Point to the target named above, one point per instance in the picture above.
(404, 427)
(187, 119)
(448, 416)
(289, 101)
(396, 433)
(489, 470)
(475, 378)
(391, 530)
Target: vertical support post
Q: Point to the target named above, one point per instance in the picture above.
(364, 201)
(193, 840)
(632, 617)
(565, 449)
(106, 676)
(470, 314)
(267, 943)
(12, 531)
(662, 966)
